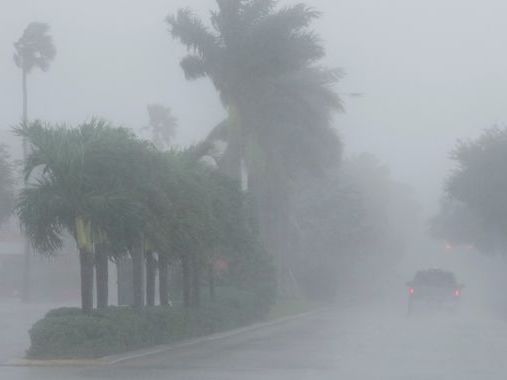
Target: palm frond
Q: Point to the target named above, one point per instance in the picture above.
(35, 48)
(194, 67)
(191, 31)
(43, 214)
(254, 11)
(226, 21)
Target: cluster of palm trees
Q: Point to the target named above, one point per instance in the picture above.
(117, 195)
(265, 62)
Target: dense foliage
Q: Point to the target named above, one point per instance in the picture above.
(475, 208)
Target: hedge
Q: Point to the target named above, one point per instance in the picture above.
(67, 333)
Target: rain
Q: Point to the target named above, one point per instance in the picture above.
(253, 189)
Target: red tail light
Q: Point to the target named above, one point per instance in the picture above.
(411, 291)
(457, 293)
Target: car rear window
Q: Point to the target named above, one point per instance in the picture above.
(435, 278)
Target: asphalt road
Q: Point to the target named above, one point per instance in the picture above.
(16, 318)
(357, 343)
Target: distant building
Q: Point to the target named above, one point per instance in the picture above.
(11, 240)
(52, 278)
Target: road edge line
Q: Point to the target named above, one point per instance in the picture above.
(117, 359)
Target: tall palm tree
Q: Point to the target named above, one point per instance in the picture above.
(264, 62)
(35, 49)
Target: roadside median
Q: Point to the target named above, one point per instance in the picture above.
(280, 314)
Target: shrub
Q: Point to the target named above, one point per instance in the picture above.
(68, 333)
(71, 336)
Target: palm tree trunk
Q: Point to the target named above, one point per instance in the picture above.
(196, 282)
(102, 276)
(163, 278)
(211, 281)
(27, 251)
(276, 238)
(27, 265)
(150, 278)
(272, 193)
(187, 281)
(25, 96)
(124, 270)
(86, 266)
(231, 161)
(138, 277)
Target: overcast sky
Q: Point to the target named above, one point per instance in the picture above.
(431, 72)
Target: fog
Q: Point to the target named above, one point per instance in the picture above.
(430, 72)
(417, 78)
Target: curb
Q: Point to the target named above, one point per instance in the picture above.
(54, 363)
(117, 359)
(120, 358)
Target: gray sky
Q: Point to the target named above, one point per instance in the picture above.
(432, 71)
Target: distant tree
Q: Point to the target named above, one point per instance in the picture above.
(162, 125)
(6, 185)
(457, 225)
(476, 209)
(352, 225)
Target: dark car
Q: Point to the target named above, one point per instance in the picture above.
(433, 289)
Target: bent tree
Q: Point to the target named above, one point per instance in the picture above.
(265, 63)
(118, 195)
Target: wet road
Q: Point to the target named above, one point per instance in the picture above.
(16, 318)
(335, 344)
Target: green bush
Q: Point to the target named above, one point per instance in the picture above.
(68, 333)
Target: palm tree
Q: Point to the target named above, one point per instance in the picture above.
(162, 125)
(35, 49)
(264, 62)
(6, 185)
(79, 184)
